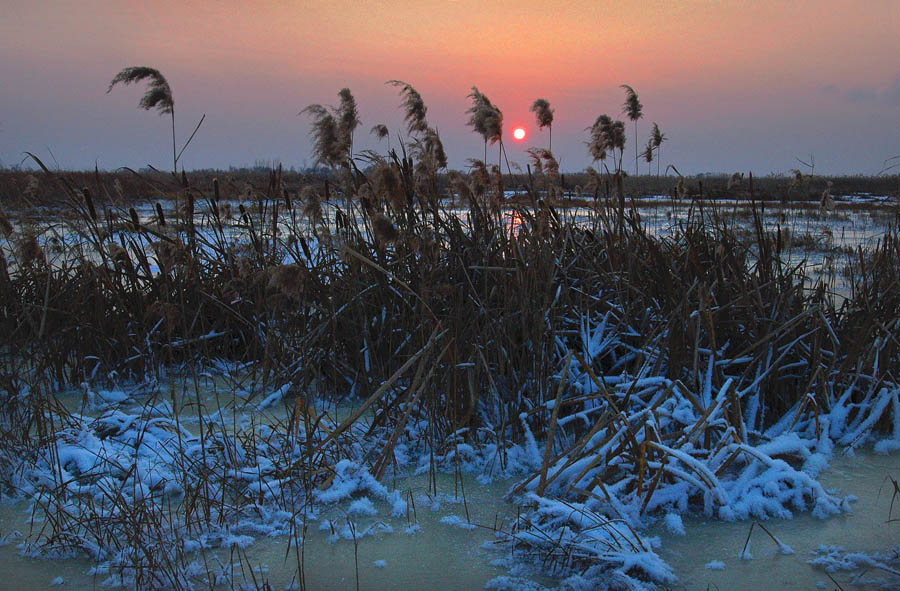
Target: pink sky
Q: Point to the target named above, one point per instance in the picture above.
(745, 85)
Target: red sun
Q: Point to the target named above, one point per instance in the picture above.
(519, 133)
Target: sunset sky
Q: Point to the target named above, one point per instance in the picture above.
(736, 85)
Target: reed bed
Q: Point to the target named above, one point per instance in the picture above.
(617, 372)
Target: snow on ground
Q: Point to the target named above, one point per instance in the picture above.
(585, 518)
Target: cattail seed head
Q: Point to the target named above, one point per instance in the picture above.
(90, 203)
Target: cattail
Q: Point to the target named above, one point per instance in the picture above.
(135, 221)
(90, 203)
(385, 231)
(288, 280)
(160, 216)
(6, 227)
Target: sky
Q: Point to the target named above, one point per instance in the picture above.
(735, 85)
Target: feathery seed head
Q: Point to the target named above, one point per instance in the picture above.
(543, 112)
(159, 93)
(413, 105)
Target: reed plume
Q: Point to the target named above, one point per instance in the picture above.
(617, 140)
(601, 137)
(461, 187)
(551, 166)
(430, 153)
(347, 118)
(388, 185)
(30, 251)
(481, 178)
(544, 114)
(312, 207)
(607, 134)
(648, 154)
(413, 105)
(385, 230)
(658, 139)
(158, 95)
(329, 145)
(534, 154)
(380, 131)
(486, 119)
(287, 280)
(634, 109)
